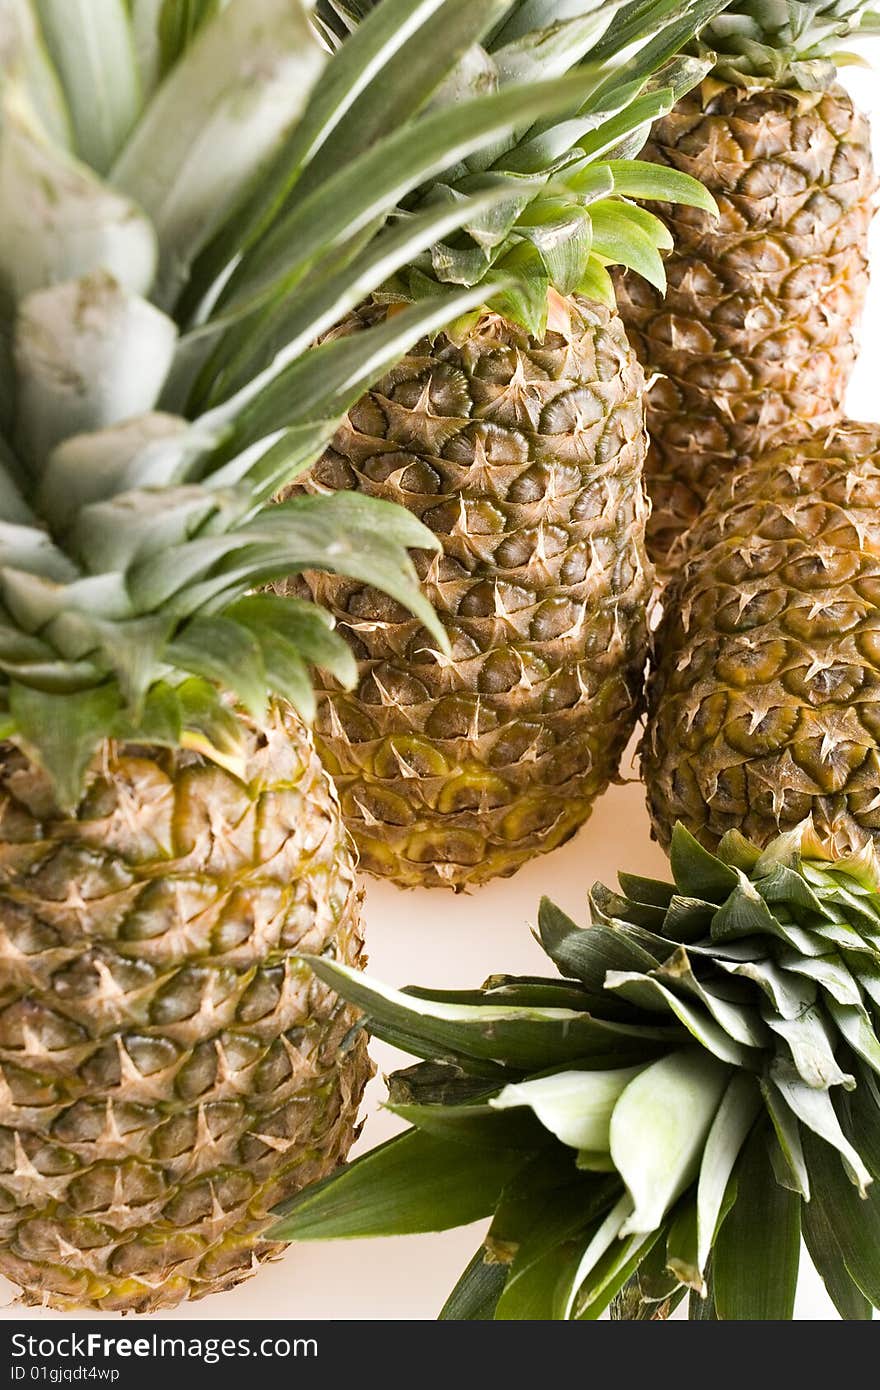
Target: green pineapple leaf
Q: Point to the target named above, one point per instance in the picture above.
(525, 1039)
(864, 1119)
(525, 300)
(549, 1201)
(301, 626)
(27, 62)
(63, 732)
(574, 1106)
(730, 1130)
(652, 995)
(609, 1276)
(475, 1296)
(563, 237)
(222, 650)
(440, 1083)
(824, 1251)
(697, 872)
(757, 1253)
(678, 1097)
(792, 1171)
(177, 22)
(855, 1221)
(415, 1182)
(533, 1291)
(91, 45)
(682, 1257)
(597, 284)
(634, 178)
(481, 1126)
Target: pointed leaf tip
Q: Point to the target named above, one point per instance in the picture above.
(697, 872)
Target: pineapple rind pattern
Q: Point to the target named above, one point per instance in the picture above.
(168, 1071)
(764, 704)
(525, 459)
(755, 343)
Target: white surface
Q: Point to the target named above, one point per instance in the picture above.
(432, 937)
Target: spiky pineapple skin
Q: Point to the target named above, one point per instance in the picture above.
(764, 700)
(754, 343)
(167, 1071)
(525, 459)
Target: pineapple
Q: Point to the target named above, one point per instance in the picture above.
(754, 343)
(763, 703)
(518, 438)
(168, 838)
(525, 460)
(167, 1070)
(696, 1092)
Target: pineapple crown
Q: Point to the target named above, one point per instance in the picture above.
(783, 43)
(584, 219)
(191, 195)
(697, 1090)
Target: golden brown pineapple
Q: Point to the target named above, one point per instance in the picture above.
(525, 459)
(755, 341)
(764, 704)
(167, 1070)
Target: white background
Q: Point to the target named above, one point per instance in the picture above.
(432, 937)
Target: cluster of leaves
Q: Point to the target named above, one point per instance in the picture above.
(784, 43)
(584, 219)
(696, 1091)
(192, 193)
